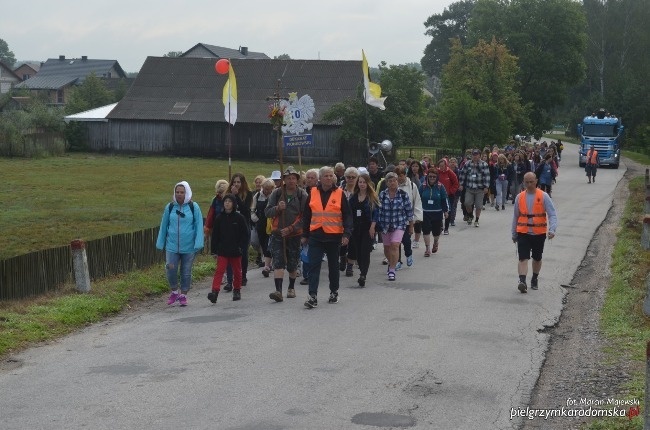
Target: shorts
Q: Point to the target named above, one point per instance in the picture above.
(530, 242)
(431, 225)
(394, 236)
(277, 252)
(474, 197)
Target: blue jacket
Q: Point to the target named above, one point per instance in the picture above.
(434, 199)
(181, 230)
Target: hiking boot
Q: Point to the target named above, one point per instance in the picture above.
(173, 297)
(236, 295)
(276, 295)
(212, 296)
(497, 208)
(312, 302)
(469, 220)
(334, 297)
(244, 281)
(305, 281)
(362, 281)
(503, 207)
(348, 271)
(342, 264)
(533, 284)
(182, 299)
(522, 286)
(266, 271)
(409, 260)
(228, 287)
(291, 293)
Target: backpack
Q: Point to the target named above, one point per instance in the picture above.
(171, 206)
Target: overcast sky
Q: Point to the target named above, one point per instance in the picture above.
(129, 31)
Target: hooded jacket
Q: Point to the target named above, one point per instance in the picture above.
(181, 229)
(413, 192)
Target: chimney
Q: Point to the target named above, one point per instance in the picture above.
(61, 57)
(243, 50)
(84, 57)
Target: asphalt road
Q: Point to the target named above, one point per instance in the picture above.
(451, 344)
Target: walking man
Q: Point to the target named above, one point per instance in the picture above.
(476, 175)
(591, 164)
(327, 225)
(534, 219)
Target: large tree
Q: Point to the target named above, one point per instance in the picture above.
(6, 56)
(480, 103)
(443, 28)
(547, 36)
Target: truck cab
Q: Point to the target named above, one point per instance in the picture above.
(605, 132)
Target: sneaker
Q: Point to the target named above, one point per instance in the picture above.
(236, 295)
(522, 286)
(469, 220)
(446, 232)
(305, 281)
(212, 296)
(228, 287)
(334, 298)
(362, 281)
(244, 281)
(312, 302)
(391, 276)
(173, 297)
(260, 264)
(476, 224)
(384, 261)
(398, 266)
(291, 293)
(415, 245)
(503, 207)
(409, 260)
(342, 265)
(497, 208)
(533, 284)
(453, 224)
(266, 271)
(348, 271)
(276, 295)
(182, 299)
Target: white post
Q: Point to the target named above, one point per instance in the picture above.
(80, 265)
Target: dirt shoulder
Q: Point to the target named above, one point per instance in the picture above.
(575, 366)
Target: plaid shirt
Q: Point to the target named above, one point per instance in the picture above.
(475, 176)
(397, 212)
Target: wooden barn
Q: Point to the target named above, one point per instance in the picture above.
(175, 107)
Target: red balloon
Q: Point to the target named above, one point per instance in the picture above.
(222, 66)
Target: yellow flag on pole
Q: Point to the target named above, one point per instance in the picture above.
(230, 97)
(372, 91)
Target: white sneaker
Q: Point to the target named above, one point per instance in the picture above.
(415, 245)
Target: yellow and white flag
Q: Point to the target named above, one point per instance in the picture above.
(372, 91)
(230, 97)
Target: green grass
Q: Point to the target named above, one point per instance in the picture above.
(622, 318)
(49, 202)
(25, 322)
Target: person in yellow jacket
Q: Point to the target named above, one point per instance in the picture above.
(533, 220)
(327, 224)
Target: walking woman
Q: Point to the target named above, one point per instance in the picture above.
(243, 200)
(350, 177)
(260, 200)
(364, 205)
(181, 236)
(501, 181)
(396, 219)
(516, 171)
(434, 206)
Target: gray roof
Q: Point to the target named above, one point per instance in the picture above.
(163, 82)
(56, 73)
(221, 52)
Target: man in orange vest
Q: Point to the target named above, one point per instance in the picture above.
(533, 220)
(327, 225)
(591, 164)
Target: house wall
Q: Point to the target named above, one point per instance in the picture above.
(249, 141)
(25, 72)
(7, 80)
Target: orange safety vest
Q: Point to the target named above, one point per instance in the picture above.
(536, 219)
(330, 219)
(592, 157)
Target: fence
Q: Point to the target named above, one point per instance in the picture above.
(42, 271)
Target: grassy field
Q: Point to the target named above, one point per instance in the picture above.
(49, 202)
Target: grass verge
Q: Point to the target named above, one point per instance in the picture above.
(622, 319)
(26, 322)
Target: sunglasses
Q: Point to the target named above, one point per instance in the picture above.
(350, 177)
(180, 214)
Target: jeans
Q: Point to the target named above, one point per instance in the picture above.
(502, 191)
(316, 250)
(406, 241)
(185, 261)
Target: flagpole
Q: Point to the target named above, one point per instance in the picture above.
(229, 128)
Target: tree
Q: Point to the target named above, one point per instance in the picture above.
(173, 54)
(443, 28)
(6, 56)
(480, 103)
(282, 57)
(89, 95)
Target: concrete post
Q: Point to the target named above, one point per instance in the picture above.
(80, 265)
